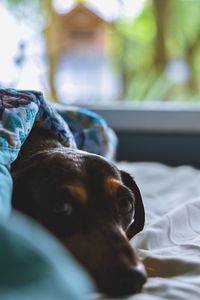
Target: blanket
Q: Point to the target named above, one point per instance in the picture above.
(169, 245)
(81, 128)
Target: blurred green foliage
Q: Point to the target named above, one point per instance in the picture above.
(169, 29)
(165, 32)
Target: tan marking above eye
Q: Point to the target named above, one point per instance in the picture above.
(78, 192)
(112, 184)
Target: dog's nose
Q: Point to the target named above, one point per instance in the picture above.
(129, 281)
(140, 276)
(139, 267)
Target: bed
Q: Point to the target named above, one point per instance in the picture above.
(169, 245)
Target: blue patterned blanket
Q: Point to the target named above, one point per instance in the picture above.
(80, 128)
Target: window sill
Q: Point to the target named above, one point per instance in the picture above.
(154, 117)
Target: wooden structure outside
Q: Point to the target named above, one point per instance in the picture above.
(81, 31)
(78, 32)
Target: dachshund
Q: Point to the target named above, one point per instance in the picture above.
(90, 205)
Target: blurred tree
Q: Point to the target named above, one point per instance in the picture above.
(184, 31)
(161, 13)
(165, 31)
(145, 48)
(50, 28)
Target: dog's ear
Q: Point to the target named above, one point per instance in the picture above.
(139, 217)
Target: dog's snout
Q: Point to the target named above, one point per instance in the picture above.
(128, 272)
(129, 280)
(127, 254)
(139, 267)
(140, 275)
(123, 250)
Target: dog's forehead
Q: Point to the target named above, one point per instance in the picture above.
(85, 173)
(90, 163)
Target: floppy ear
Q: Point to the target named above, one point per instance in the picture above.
(139, 217)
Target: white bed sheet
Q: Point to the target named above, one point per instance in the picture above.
(169, 245)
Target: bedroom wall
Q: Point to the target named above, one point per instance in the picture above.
(162, 132)
(168, 148)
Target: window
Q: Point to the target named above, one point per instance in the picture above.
(135, 51)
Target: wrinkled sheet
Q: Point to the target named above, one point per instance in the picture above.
(169, 245)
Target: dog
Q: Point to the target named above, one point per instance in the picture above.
(90, 205)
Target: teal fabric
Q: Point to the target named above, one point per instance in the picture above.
(5, 192)
(34, 266)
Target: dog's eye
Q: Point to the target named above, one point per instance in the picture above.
(65, 208)
(125, 206)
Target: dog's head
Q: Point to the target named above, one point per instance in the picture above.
(91, 206)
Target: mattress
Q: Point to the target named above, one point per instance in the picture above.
(169, 245)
